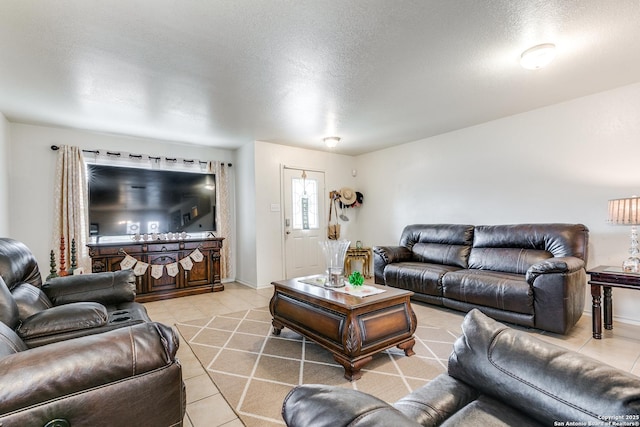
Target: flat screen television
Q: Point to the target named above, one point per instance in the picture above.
(125, 201)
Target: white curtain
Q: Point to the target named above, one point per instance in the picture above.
(223, 216)
(71, 208)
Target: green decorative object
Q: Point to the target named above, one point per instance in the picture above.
(52, 264)
(74, 264)
(356, 279)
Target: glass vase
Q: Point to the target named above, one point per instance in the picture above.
(334, 252)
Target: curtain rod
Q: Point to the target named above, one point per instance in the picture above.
(137, 156)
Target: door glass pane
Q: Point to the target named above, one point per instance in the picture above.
(304, 193)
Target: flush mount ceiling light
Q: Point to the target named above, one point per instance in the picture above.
(331, 141)
(538, 56)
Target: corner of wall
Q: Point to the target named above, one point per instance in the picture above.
(5, 168)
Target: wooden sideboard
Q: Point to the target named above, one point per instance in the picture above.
(203, 277)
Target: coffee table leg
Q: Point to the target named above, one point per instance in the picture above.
(407, 346)
(596, 312)
(277, 327)
(352, 370)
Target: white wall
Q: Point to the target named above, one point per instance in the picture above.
(31, 193)
(246, 215)
(555, 164)
(5, 167)
(269, 158)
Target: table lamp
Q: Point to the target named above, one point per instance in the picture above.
(627, 212)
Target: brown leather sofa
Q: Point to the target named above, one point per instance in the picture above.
(64, 307)
(124, 377)
(497, 376)
(528, 274)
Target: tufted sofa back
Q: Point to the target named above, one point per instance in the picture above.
(448, 244)
(514, 248)
(17, 264)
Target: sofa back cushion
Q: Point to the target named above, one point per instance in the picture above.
(30, 300)
(17, 264)
(447, 244)
(546, 381)
(514, 248)
(9, 313)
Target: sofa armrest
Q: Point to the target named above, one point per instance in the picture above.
(383, 255)
(562, 265)
(64, 368)
(390, 254)
(558, 286)
(548, 382)
(64, 318)
(316, 405)
(433, 403)
(106, 288)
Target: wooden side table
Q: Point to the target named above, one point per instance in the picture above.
(607, 277)
(358, 254)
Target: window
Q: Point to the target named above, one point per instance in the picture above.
(304, 193)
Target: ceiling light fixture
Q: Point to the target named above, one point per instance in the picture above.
(331, 141)
(538, 56)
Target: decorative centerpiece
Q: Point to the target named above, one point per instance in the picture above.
(356, 279)
(334, 252)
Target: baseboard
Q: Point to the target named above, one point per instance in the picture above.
(620, 319)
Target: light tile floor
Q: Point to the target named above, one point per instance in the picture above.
(207, 408)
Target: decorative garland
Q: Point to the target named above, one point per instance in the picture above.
(157, 270)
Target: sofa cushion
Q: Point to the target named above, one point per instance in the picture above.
(504, 291)
(447, 244)
(10, 342)
(538, 378)
(9, 313)
(64, 318)
(514, 248)
(106, 288)
(486, 411)
(30, 300)
(509, 260)
(17, 264)
(434, 402)
(418, 277)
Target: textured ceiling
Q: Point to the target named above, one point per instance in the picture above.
(374, 72)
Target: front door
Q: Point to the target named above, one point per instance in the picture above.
(304, 221)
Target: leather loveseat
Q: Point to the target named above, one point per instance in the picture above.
(497, 376)
(528, 274)
(64, 307)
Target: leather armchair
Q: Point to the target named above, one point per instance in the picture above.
(496, 376)
(128, 376)
(64, 307)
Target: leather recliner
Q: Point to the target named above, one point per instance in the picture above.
(124, 377)
(64, 307)
(497, 376)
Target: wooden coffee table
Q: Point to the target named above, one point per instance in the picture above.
(352, 328)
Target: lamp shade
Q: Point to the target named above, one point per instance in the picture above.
(624, 211)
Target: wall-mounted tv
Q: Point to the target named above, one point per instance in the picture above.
(125, 201)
